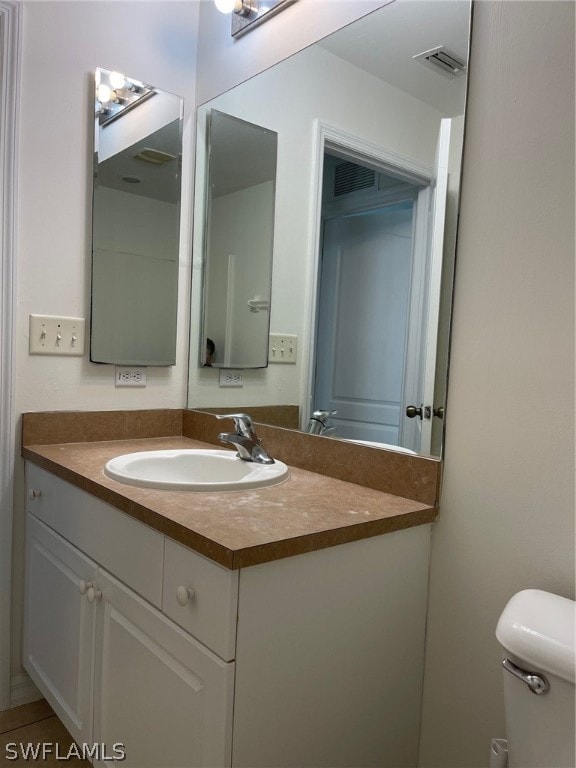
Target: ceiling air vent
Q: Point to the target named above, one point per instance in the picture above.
(443, 61)
(349, 177)
(155, 156)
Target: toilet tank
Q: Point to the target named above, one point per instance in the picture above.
(537, 633)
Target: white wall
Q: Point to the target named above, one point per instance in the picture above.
(289, 99)
(507, 509)
(63, 43)
(239, 265)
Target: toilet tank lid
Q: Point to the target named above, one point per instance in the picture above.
(539, 628)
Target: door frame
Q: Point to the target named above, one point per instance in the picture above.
(353, 148)
(10, 41)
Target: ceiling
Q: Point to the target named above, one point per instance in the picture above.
(384, 42)
(157, 181)
(381, 44)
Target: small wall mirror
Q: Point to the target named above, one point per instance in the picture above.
(136, 222)
(238, 240)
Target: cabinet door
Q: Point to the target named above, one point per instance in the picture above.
(158, 692)
(59, 626)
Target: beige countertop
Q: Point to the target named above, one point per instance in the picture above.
(308, 511)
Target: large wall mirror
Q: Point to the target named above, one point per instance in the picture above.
(136, 222)
(370, 125)
(239, 228)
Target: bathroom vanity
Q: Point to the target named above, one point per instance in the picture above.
(275, 627)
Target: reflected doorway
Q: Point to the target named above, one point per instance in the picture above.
(371, 307)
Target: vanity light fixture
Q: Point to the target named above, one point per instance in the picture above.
(247, 14)
(242, 7)
(116, 93)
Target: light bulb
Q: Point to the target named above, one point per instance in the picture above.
(104, 93)
(117, 80)
(225, 6)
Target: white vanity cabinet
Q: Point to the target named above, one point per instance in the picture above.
(59, 625)
(306, 661)
(158, 691)
(116, 670)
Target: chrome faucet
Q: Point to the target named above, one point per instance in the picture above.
(318, 423)
(245, 440)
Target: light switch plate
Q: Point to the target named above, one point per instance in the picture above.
(282, 348)
(54, 335)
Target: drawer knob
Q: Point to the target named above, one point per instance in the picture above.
(84, 586)
(93, 594)
(184, 595)
(32, 494)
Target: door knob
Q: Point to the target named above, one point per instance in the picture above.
(412, 411)
(439, 412)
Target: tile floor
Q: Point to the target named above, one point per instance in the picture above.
(34, 724)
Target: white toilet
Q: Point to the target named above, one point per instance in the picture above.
(537, 633)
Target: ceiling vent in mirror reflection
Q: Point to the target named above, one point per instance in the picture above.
(442, 61)
(156, 156)
(350, 177)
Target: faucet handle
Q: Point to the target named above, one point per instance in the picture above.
(242, 422)
(323, 415)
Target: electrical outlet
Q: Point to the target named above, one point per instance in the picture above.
(228, 378)
(130, 377)
(52, 335)
(282, 348)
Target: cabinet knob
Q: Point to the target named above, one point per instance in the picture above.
(93, 594)
(32, 494)
(184, 595)
(84, 586)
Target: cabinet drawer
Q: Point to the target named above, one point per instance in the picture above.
(40, 493)
(124, 546)
(131, 550)
(209, 612)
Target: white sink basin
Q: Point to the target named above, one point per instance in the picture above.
(193, 470)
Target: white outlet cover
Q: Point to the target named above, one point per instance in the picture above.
(230, 378)
(130, 376)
